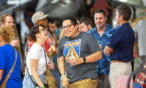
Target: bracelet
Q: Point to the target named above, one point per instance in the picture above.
(64, 74)
(43, 86)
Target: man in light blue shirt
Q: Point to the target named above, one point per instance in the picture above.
(102, 32)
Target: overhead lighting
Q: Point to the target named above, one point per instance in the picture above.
(14, 2)
(54, 1)
(123, 0)
(131, 2)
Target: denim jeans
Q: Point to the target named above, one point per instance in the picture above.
(27, 82)
(55, 72)
(103, 81)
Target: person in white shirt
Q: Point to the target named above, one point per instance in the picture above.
(37, 60)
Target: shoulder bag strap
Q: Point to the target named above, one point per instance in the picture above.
(134, 73)
(46, 62)
(35, 84)
(45, 58)
(10, 72)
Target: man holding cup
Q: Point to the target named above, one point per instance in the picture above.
(102, 32)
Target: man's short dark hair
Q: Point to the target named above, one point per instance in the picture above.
(100, 11)
(125, 11)
(86, 21)
(73, 20)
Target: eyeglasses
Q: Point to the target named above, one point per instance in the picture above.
(68, 26)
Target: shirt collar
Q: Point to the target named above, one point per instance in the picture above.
(106, 29)
(125, 24)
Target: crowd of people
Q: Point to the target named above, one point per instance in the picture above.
(76, 54)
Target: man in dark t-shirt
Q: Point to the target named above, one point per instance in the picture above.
(77, 54)
(120, 46)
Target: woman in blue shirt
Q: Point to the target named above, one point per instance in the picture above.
(7, 59)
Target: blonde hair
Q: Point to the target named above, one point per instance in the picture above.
(2, 18)
(7, 33)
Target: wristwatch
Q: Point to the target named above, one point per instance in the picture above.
(84, 59)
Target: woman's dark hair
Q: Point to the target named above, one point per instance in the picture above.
(32, 33)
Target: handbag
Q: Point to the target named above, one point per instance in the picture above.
(3, 85)
(140, 80)
(34, 83)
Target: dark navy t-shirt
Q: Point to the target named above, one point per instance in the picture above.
(122, 41)
(7, 59)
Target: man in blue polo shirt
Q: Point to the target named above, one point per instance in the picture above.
(102, 32)
(120, 46)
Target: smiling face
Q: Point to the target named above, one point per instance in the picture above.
(70, 29)
(9, 21)
(43, 33)
(100, 20)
